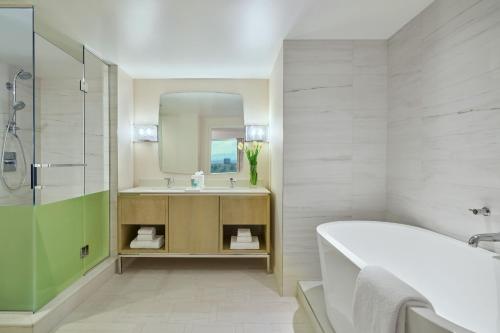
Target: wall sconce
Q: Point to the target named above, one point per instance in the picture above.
(145, 133)
(256, 133)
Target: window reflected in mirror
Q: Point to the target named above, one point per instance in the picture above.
(224, 153)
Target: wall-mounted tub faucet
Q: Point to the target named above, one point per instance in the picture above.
(476, 239)
(485, 211)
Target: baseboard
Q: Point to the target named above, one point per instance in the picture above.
(47, 318)
(310, 295)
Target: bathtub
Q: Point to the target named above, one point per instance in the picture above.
(462, 283)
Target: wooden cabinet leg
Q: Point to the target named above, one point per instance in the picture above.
(268, 262)
(119, 264)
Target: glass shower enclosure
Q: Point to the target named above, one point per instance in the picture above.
(54, 164)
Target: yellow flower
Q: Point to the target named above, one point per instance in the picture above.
(240, 145)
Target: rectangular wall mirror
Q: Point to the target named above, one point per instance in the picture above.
(200, 131)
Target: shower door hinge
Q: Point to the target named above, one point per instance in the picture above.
(84, 251)
(84, 85)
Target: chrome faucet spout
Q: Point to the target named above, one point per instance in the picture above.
(476, 239)
(170, 181)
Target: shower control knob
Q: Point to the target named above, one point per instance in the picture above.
(485, 211)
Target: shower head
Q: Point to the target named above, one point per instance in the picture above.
(23, 75)
(19, 106)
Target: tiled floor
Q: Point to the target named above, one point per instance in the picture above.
(189, 296)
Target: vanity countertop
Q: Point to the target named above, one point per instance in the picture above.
(189, 190)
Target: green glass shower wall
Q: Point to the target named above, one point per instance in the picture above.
(62, 228)
(58, 239)
(31, 276)
(16, 258)
(96, 228)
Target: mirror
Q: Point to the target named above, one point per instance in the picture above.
(200, 131)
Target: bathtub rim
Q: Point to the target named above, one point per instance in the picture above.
(321, 230)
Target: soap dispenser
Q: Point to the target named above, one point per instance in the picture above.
(194, 181)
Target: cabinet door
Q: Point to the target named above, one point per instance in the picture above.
(193, 224)
(143, 210)
(242, 210)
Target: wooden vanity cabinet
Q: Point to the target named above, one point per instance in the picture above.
(135, 211)
(145, 210)
(245, 211)
(193, 224)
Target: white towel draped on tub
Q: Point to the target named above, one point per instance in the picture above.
(381, 300)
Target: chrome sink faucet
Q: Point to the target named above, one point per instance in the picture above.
(232, 182)
(476, 239)
(170, 181)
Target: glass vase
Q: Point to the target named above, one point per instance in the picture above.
(253, 175)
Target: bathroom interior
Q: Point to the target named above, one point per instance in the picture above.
(240, 166)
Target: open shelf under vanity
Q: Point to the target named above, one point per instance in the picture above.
(129, 231)
(228, 231)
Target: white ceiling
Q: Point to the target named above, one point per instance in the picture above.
(216, 38)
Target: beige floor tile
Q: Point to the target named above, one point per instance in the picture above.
(189, 296)
(193, 312)
(163, 328)
(212, 328)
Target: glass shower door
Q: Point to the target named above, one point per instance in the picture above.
(60, 171)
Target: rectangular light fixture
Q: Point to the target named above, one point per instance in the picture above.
(257, 133)
(145, 133)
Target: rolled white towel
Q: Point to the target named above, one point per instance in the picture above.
(147, 231)
(381, 300)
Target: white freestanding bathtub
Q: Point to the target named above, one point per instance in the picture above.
(462, 283)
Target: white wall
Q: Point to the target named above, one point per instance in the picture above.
(334, 134)
(276, 164)
(147, 102)
(444, 118)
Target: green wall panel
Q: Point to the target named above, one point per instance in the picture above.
(62, 228)
(59, 237)
(16, 258)
(96, 228)
(40, 248)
